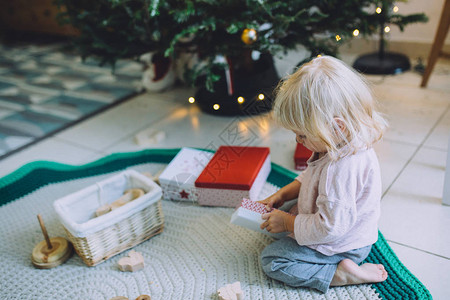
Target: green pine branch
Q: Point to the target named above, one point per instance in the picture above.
(115, 29)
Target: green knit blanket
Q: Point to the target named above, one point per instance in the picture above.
(401, 284)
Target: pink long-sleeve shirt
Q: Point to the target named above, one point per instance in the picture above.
(339, 203)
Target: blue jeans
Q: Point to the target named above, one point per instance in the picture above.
(299, 266)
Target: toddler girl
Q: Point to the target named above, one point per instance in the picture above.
(330, 109)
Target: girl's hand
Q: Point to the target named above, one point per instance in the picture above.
(287, 192)
(278, 221)
(273, 201)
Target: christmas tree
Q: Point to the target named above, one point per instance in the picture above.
(115, 29)
(231, 39)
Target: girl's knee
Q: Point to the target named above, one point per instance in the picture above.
(270, 256)
(268, 264)
(276, 269)
(268, 260)
(272, 265)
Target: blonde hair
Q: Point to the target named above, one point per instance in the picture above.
(320, 95)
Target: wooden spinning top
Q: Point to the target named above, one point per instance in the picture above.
(50, 252)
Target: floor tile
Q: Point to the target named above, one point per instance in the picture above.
(111, 126)
(439, 78)
(438, 81)
(51, 149)
(409, 78)
(424, 175)
(411, 113)
(433, 271)
(439, 137)
(393, 157)
(412, 212)
(178, 94)
(187, 126)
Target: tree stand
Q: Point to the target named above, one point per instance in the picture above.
(382, 63)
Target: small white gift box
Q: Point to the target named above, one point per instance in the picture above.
(248, 215)
(96, 239)
(178, 178)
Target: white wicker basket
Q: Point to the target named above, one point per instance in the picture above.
(96, 239)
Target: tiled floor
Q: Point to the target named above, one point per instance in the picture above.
(412, 155)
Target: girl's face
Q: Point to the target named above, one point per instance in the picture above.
(312, 144)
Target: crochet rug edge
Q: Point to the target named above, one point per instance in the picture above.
(401, 283)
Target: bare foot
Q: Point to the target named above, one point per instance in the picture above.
(349, 272)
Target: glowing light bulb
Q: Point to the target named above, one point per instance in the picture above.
(355, 32)
(395, 9)
(319, 55)
(240, 99)
(261, 96)
(191, 99)
(216, 106)
(378, 10)
(338, 37)
(387, 29)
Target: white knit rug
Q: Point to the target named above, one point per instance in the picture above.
(198, 252)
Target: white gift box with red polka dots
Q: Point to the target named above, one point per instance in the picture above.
(233, 173)
(178, 178)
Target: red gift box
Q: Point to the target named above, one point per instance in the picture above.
(233, 173)
(301, 156)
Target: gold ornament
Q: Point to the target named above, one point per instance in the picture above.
(249, 36)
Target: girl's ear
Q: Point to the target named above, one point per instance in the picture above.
(341, 124)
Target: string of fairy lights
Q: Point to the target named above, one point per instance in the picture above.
(239, 99)
(251, 35)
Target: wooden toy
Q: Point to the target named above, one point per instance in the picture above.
(231, 291)
(128, 195)
(104, 209)
(50, 252)
(131, 263)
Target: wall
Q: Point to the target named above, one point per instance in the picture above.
(35, 16)
(420, 32)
